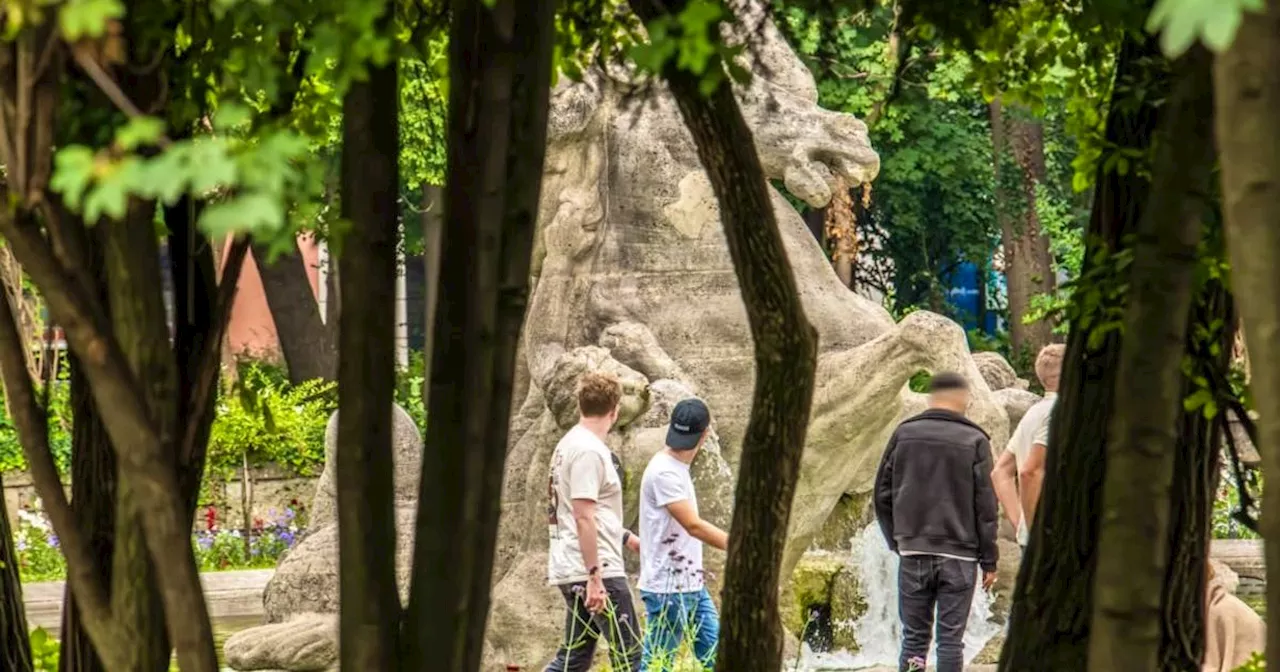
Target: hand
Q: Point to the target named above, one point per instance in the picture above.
(596, 595)
(1024, 533)
(988, 580)
(633, 543)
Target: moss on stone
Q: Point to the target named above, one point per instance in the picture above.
(824, 578)
(846, 521)
(847, 605)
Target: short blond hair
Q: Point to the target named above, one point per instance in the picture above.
(1049, 364)
(598, 394)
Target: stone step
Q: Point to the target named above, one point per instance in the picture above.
(233, 597)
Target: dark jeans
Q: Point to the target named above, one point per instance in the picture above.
(926, 582)
(617, 624)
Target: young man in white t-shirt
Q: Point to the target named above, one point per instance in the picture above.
(672, 585)
(1019, 472)
(584, 519)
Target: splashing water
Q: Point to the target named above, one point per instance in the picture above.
(878, 632)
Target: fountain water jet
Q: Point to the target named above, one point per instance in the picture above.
(878, 631)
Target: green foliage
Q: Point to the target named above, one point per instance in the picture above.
(1256, 663)
(1227, 503)
(410, 384)
(45, 650)
(39, 557)
(1213, 22)
(690, 42)
(59, 414)
(263, 419)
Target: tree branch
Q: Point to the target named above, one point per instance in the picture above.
(33, 433)
(206, 379)
(142, 457)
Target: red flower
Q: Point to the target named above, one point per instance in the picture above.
(211, 517)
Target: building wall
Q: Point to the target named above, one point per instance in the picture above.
(251, 330)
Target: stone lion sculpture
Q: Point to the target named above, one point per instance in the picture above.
(631, 273)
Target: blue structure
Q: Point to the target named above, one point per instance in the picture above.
(963, 297)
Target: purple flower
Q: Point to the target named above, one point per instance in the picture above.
(53, 541)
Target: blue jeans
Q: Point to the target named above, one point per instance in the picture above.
(929, 583)
(671, 619)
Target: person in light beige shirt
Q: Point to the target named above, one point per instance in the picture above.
(1019, 471)
(584, 523)
(1233, 632)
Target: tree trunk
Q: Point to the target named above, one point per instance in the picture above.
(785, 360)
(306, 342)
(132, 259)
(498, 111)
(93, 490)
(366, 373)
(1143, 435)
(15, 646)
(1053, 598)
(1247, 95)
(1018, 143)
(433, 237)
(1195, 478)
(93, 500)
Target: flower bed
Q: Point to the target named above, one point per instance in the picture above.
(218, 547)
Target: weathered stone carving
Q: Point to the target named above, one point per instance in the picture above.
(301, 600)
(632, 274)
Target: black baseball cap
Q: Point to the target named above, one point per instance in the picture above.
(689, 419)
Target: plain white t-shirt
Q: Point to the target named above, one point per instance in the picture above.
(670, 559)
(1032, 429)
(582, 468)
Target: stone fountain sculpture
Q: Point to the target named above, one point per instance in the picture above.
(301, 600)
(632, 274)
(632, 270)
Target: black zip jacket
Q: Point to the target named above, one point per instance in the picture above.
(933, 490)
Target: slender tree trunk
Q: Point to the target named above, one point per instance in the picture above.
(1018, 143)
(1247, 95)
(132, 258)
(1053, 598)
(1144, 429)
(1195, 478)
(499, 101)
(785, 360)
(93, 491)
(15, 647)
(93, 500)
(366, 374)
(433, 237)
(306, 342)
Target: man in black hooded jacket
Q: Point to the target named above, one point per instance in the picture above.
(937, 509)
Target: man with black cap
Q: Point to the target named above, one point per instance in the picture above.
(672, 534)
(937, 508)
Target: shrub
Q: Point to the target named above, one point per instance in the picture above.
(265, 419)
(11, 457)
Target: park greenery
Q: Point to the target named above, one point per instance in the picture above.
(1027, 139)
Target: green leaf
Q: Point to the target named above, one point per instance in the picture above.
(231, 115)
(251, 213)
(1181, 22)
(139, 131)
(72, 173)
(80, 19)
